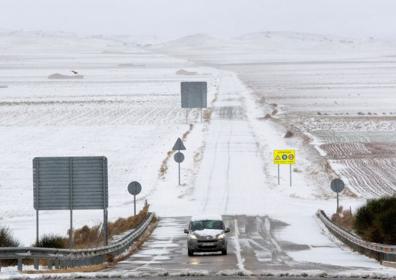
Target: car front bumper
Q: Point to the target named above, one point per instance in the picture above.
(207, 245)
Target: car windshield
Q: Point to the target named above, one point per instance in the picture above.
(206, 224)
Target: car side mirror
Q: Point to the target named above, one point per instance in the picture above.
(227, 230)
(186, 231)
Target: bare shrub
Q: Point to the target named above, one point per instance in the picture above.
(288, 134)
(88, 237)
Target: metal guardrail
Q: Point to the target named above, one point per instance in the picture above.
(379, 251)
(66, 258)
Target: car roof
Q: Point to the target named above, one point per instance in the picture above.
(207, 217)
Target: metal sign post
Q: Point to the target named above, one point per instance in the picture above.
(278, 174)
(179, 157)
(337, 186)
(285, 157)
(134, 188)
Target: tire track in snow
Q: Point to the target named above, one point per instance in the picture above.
(227, 182)
(212, 170)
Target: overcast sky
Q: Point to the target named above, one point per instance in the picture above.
(226, 18)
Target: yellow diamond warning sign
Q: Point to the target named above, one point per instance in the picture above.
(284, 156)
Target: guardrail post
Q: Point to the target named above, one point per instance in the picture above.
(50, 264)
(57, 263)
(20, 264)
(36, 262)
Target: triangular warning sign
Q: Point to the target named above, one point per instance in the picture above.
(179, 146)
(277, 158)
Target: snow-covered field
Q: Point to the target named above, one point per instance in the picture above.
(131, 115)
(126, 107)
(337, 92)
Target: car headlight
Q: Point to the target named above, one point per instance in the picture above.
(192, 236)
(221, 236)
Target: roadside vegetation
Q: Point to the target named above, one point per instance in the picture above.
(7, 240)
(90, 237)
(374, 222)
(51, 241)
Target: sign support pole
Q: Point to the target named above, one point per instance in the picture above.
(71, 202)
(134, 205)
(37, 225)
(106, 236)
(290, 174)
(278, 174)
(337, 203)
(71, 230)
(179, 169)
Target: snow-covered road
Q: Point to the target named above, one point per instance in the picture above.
(268, 222)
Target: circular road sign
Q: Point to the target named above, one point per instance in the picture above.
(284, 157)
(337, 185)
(179, 157)
(134, 188)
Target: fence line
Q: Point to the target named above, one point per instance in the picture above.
(378, 251)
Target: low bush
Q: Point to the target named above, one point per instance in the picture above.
(6, 238)
(52, 241)
(375, 221)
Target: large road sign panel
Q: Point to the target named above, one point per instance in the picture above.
(62, 183)
(194, 94)
(284, 156)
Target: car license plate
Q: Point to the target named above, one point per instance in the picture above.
(208, 244)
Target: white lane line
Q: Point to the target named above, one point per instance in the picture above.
(237, 245)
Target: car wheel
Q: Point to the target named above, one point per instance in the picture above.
(224, 252)
(190, 252)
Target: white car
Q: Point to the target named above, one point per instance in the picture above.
(206, 234)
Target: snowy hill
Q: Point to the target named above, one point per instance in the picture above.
(274, 46)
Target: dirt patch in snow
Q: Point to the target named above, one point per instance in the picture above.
(57, 76)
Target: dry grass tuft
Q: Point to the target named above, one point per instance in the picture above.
(288, 134)
(111, 262)
(207, 115)
(344, 219)
(90, 237)
(164, 164)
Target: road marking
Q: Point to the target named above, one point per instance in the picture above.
(240, 260)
